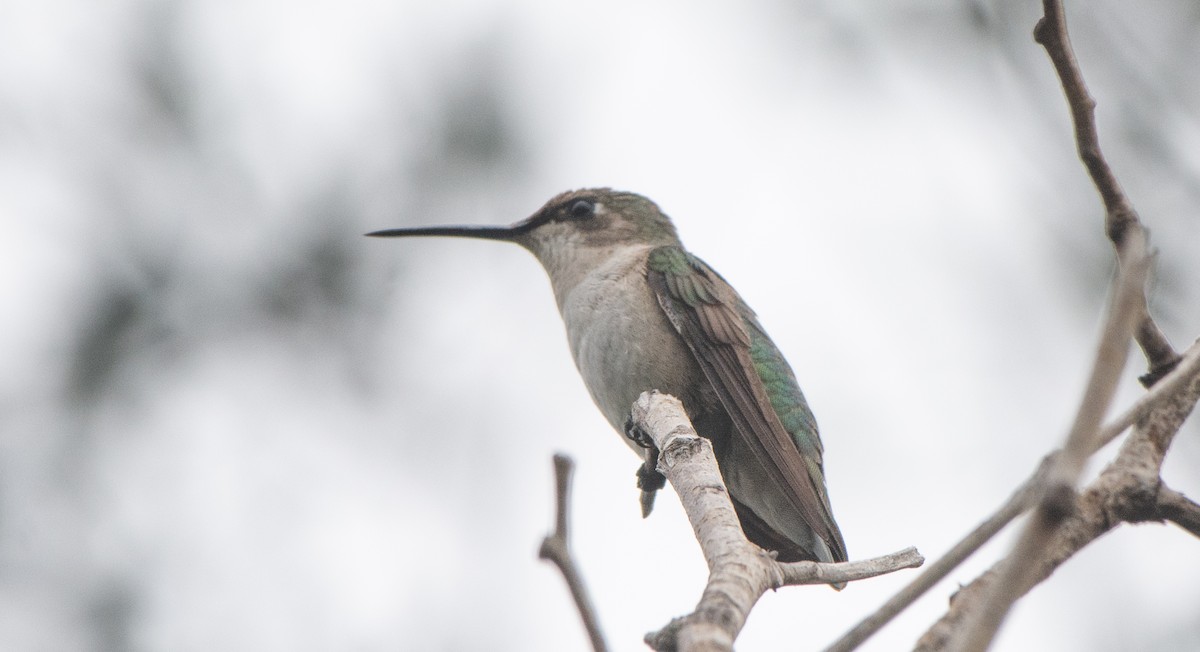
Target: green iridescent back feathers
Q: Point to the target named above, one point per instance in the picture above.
(732, 347)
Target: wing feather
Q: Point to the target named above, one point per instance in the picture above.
(704, 309)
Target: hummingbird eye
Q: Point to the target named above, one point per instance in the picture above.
(583, 208)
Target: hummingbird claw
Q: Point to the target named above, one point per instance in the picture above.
(639, 437)
(649, 481)
(647, 501)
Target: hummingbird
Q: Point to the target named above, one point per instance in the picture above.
(643, 313)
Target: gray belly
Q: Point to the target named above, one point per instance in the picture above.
(623, 345)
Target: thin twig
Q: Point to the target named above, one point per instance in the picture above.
(1057, 497)
(938, 570)
(1120, 217)
(1187, 371)
(798, 573)
(556, 549)
(1179, 509)
(1161, 357)
(1111, 357)
(1121, 220)
(1129, 489)
(1051, 33)
(1016, 573)
(1168, 385)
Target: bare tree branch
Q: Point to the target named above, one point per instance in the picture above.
(799, 573)
(1051, 33)
(1128, 490)
(1120, 216)
(1015, 575)
(556, 549)
(1168, 385)
(739, 571)
(1056, 499)
(1124, 229)
(1186, 372)
(1179, 509)
(938, 570)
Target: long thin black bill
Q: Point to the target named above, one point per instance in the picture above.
(482, 232)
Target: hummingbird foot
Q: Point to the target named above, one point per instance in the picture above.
(637, 435)
(647, 502)
(649, 480)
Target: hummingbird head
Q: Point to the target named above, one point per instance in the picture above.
(573, 233)
(593, 219)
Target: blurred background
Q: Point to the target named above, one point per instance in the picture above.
(230, 422)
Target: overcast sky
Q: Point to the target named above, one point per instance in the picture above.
(230, 422)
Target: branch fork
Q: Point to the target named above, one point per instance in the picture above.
(739, 571)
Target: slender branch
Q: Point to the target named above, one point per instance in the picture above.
(556, 549)
(739, 571)
(1120, 217)
(1188, 371)
(1129, 489)
(938, 570)
(1168, 385)
(1161, 357)
(1179, 509)
(687, 459)
(1057, 497)
(1051, 33)
(799, 573)
(1017, 573)
(1082, 527)
(1121, 220)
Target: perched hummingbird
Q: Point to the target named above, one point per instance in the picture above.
(643, 313)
